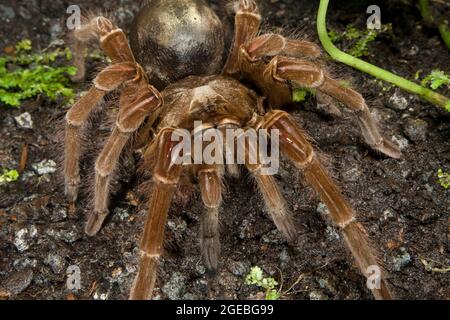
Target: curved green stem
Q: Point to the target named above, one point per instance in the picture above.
(426, 11)
(445, 34)
(429, 19)
(375, 71)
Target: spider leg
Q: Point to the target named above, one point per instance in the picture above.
(306, 74)
(138, 100)
(210, 180)
(247, 23)
(276, 75)
(282, 71)
(107, 80)
(295, 145)
(268, 187)
(271, 45)
(166, 175)
(113, 41)
(229, 146)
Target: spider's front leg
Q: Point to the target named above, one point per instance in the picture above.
(166, 175)
(137, 101)
(296, 146)
(268, 187)
(124, 68)
(108, 80)
(286, 68)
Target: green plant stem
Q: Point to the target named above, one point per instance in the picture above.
(429, 19)
(445, 34)
(426, 11)
(375, 71)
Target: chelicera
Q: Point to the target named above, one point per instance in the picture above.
(172, 75)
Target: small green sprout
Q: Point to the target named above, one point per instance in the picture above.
(255, 277)
(444, 179)
(9, 176)
(300, 95)
(436, 79)
(27, 74)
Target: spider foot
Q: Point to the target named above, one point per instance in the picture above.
(71, 192)
(388, 148)
(95, 222)
(248, 6)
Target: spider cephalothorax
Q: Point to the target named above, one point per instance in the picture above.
(169, 81)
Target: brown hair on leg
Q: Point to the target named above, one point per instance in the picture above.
(166, 176)
(295, 145)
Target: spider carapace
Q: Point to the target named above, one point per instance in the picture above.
(173, 74)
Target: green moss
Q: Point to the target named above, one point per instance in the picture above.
(361, 48)
(299, 95)
(436, 79)
(9, 176)
(27, 74)
(360, 39)
(444, 179)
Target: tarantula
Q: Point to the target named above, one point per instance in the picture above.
(173, 73)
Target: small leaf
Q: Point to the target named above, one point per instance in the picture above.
(299, 95)
(9, 176)
(272, 295)
(436, 79)
(24, 45)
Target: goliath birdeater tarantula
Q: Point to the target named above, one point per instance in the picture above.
(171, 75)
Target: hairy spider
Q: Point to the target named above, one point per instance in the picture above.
(171, 75)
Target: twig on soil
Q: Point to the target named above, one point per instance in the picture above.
(375, 71)
(429, 266)
(23, 159)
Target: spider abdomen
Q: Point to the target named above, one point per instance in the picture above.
(173, 39)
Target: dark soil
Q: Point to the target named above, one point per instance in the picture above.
(400, 203)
